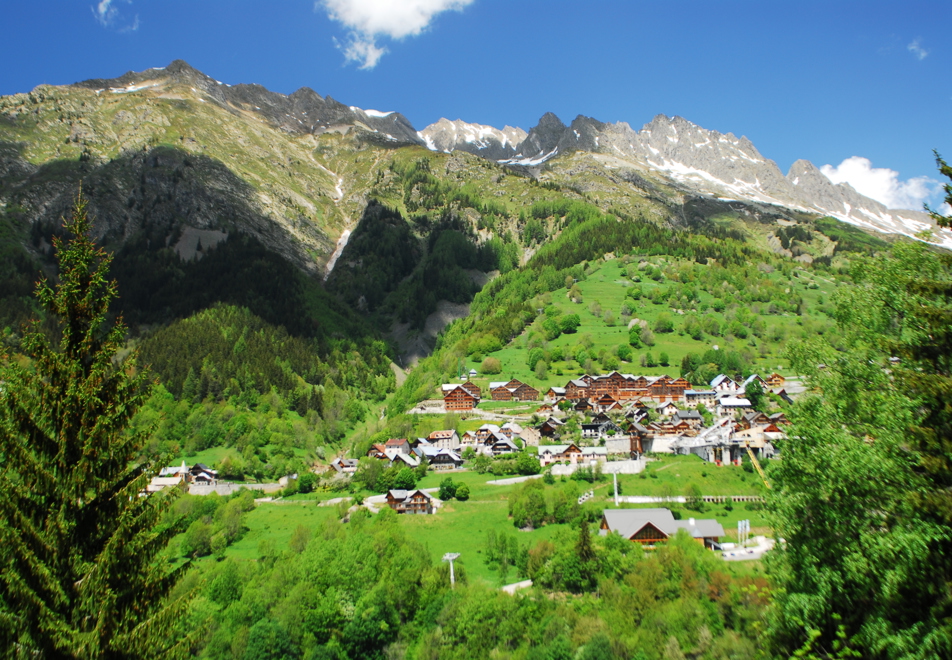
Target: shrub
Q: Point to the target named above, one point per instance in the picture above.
(405, 479)
(664, 323)
(634, 336)
(447, 489)
(306, 482)
(491, 365)
(462, 492)
(647, 337)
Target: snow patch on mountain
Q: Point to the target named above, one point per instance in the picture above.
(486, 141)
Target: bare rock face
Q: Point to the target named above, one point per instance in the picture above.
(486, 141)
(543, 140)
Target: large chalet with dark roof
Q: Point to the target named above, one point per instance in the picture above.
(513, 390)
(624, 387)
(464, 396)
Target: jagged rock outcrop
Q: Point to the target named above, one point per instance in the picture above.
(542, 141)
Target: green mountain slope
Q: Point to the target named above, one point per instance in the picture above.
(208, 195)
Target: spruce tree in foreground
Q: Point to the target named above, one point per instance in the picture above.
(79, 569)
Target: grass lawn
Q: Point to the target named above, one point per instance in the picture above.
(277, 522)
(671, 475)
(607, 285)
(462, 526)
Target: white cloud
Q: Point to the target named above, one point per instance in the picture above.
(882, 184)
(361, 49)
(368, 20)
(107, 14)
(916, 49)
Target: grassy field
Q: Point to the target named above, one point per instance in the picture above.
(607, 285)
(463, 526)
(670, 475)
(277, 522)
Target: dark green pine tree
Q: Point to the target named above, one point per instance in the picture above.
(80, 575)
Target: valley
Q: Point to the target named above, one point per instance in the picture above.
(304, 282)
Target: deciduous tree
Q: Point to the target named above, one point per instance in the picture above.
(861, 496)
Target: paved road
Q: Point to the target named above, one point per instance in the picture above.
(516, 586)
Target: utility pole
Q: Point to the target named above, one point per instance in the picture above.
(450, 556)
(615, 475)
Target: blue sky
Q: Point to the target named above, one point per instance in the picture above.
(833, 82)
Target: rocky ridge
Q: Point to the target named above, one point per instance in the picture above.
(304, 111)
(725, 167)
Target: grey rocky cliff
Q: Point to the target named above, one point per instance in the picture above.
(543, 139)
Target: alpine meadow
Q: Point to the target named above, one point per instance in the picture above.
(283, 378)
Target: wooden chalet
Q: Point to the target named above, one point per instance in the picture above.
(775, 380)
(550, 427)
(510, 430)
(635, 387)
(650, 527)
(458, 397)
(583, 405)
(524, 392)
(664, 388)
(577, 389)
(410, 501)
(441, 459)
(345, 465)
(473, 389)
(692, 417)
(600, 429)
(513, 390)
(484, 432)
(201, 474)
(779, 418)
(498, 391)
(724, 385)
(553, 394)
(377, 451)
(549, 454)
(606, 402)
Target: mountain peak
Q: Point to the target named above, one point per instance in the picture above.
(478, 139)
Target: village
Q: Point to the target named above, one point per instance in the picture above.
(622, 416)
(612, 424)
